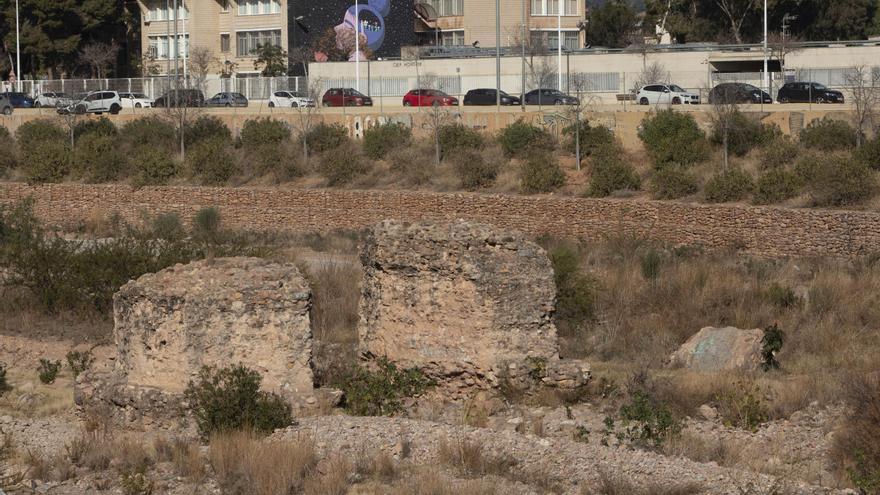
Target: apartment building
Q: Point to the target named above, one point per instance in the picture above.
(472, 22)
(230, 29)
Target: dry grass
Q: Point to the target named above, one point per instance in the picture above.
(185, 456)
(723, 452)
(433, 482)
(375, 465)
(336, 294)
(856, 450)
(615, 485)
(243, 463)
(330, 478)
(469, 458)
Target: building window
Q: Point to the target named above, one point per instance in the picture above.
(224, 43)
(447, 8)
(157, 10)
(248, 41)
(258, 7)
(551, 7)
(162, 47)
(452, 38)
(550, 39)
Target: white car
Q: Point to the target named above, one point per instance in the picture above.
(666, 94)
(51, 99)
(96, 102)
(290, 99)
(135, 100)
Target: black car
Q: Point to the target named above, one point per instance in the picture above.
(549, 97)
(808, 92)
(183, 97)
(738, 93)
(19, 100)
(487, 96)
(227, 100)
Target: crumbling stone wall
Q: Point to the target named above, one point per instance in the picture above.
(464, 302)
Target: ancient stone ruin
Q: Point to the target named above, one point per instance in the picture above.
(466, 303)
(170, 324)
(720, 349)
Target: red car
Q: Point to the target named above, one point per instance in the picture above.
(428, 98)
(349, 97)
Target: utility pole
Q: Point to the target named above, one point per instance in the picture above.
(185, 41)
(498, 55)
(559, 45)
(357, 47)
(168, 40)
(17, 49)
(766, 73)
(522, 95)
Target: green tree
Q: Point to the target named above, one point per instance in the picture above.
(271, 60)
(612, 24)
(844, 20)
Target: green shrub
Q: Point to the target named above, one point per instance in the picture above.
(152, 166)
(206, 226)
(651, 263)
(743, 406)
(97, 158)
(776, 185)
(473, 170)
(672, 182)
(521, 138)
(379, 392)
(325, 137)
(745, 133)
(782, 297)
(281, 161)
(4, 384)
(263, 131)
(207, 127)
(610, 173)
(101, 126)
(36, 133)
(592, 138)
(856, 448)
(647, 422)
(836, 179)
(540, 173)
(458, 136)
(149, 132)
(46, 162)
(79, 361)
(230, 398)
(210, 161)
(8, 158)
(168, 227)
(771, 344)
(828, 134)
(381, 139)
(576, 290)
(342, 166)
(48, 370)
(869, 153)
(730, 185)
(778, 153)
(673, 137)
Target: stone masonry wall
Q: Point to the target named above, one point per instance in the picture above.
(761, 231)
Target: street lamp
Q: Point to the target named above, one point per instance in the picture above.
(766, 73)
(559, 44)
(357, 45)
(17, 48)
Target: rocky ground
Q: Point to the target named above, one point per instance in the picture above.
(546, 450)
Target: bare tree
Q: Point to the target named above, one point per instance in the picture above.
(541, 71)
(654, 73)
(200, 61)
(435, 120)
(723, 117)
(99, 57)
(736, 11)
(864, 86)
(580, 86)
(69, 115)
(308, 113)
(429, 81)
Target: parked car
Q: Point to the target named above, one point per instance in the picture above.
(5, 105)
(349, 97)
(428, 98)
(52, 99)
(290, 99)
(96, 102)
(666, 94)
(19, 100)
(227, 99)
(545, 96)
(738, 93)
(487, 96)
(135, 100)
(808, 92)
(182, 97)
